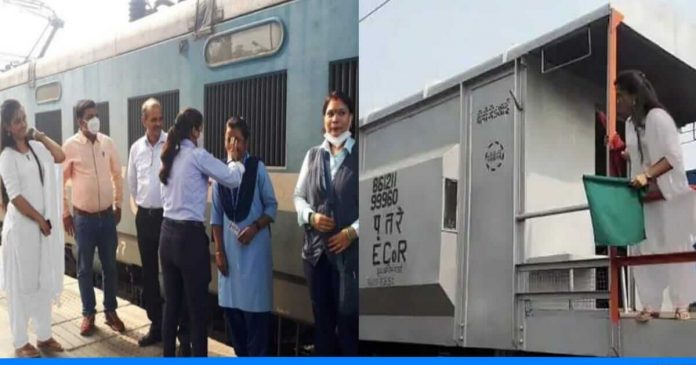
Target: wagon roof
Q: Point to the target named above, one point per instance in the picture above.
(653, 39)
(150, 30)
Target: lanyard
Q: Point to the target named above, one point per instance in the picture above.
(235, 191)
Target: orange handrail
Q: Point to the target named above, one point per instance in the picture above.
(615, 19)
(617, 262)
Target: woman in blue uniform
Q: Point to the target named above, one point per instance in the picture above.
(241, 221)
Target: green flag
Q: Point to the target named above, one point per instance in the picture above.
(616, 210)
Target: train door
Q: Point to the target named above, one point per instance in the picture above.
(489, 313)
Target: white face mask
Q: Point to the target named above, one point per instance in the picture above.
(337, 141)
(93, 125)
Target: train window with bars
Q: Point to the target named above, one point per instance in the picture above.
(50, 123)
(169, 101)
(343, 76)
(261, 100)
(103, 114)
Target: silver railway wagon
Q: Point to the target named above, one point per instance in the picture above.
(473, 229)
(272, 61)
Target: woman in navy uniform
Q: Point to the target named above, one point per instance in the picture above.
(326, 200)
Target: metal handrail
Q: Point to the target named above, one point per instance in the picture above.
(550, 212)
(570, 295)
(599, 262)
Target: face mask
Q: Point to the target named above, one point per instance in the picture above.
(337, 141)
(93, 125)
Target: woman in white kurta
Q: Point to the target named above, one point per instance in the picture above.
(31, 264)
(656, 160)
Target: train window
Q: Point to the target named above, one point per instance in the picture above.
(449, 221)
(102, 112)
(255, 40)
(48, 93)
(50, 123)
(343, 76)
(170, 107)
(566, 50)
(261, 100)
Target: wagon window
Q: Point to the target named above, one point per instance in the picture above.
(450, 205)
(48, 93)
(249, 42)
(343, 76)
(169, 100)
(50, 122)
(261, 100)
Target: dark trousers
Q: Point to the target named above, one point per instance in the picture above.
(334, 333)
(186, 269)
(249, 332)
(148, 223)
(96, 233)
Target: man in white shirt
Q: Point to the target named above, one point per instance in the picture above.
(144, 185)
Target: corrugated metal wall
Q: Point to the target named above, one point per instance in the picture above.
(102, 112)
(343, 76)
(170, 108)
(50, 123)
(261, 100)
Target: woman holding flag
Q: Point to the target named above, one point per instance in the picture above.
(656, 162)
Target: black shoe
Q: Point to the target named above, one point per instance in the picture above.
(184, 351)
(149, 339)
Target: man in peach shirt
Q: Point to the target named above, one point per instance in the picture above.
(93, 166)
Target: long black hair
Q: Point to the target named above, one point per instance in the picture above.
(8, 111)
(187, 120)
(636, 83)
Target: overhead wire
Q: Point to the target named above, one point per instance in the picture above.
(374, 10)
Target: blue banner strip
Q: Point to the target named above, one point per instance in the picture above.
(370, 361)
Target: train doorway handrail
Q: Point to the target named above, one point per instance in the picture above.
(549, 212)
(616, 263)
